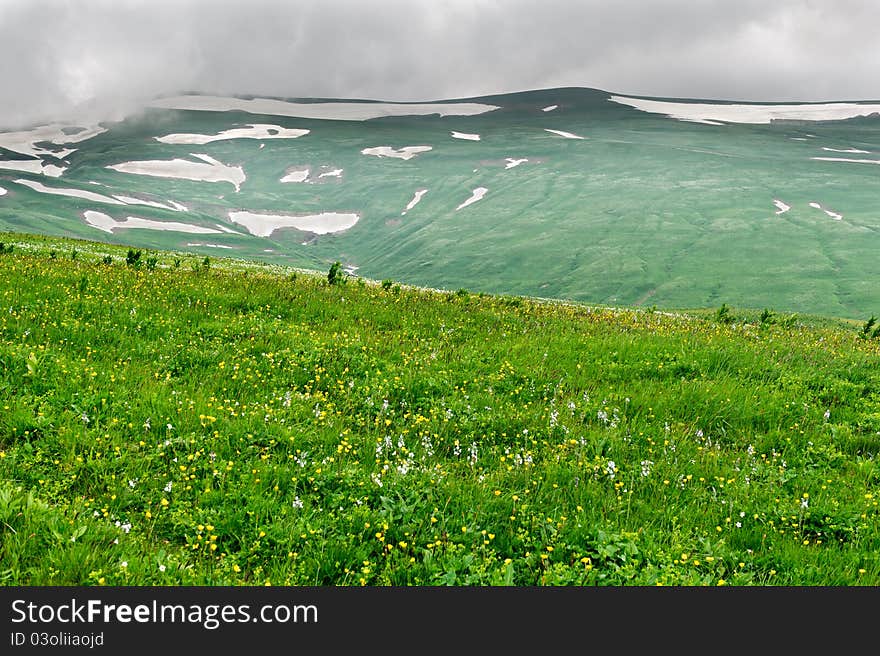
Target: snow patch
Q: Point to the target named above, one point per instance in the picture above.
(847, 150)
(209, 170)
(415, 199)
(781, 207)
(833, 215)
(25, 141)
(749, 113)
(476, 195)
(465, 135)
(173, 206)
(550, 108)
(252, 131)
(33, 166)
(334, 111)
(511, 162)
(100, 198)
(296, 175)
(844, 159)
(263, 225)
(561, 133)
(72, 193)
(108, 224)
(407, 152)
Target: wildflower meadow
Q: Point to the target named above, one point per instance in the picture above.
(172, 419)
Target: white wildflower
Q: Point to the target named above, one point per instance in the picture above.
(473, 454)
(611, 468)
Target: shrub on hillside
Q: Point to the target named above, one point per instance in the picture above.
(722, 314)
(335, 276)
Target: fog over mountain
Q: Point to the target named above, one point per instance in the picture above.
(101, 59)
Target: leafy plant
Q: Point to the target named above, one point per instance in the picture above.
(870, 330)
(722, 314)
(335, 276)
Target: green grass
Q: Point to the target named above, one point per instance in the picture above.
(243, 424)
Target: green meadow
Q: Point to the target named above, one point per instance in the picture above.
(170, 418)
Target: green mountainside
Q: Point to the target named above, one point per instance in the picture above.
(643, 210)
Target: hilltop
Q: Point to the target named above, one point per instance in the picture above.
(171, 418)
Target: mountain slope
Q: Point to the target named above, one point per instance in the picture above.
(566, 193)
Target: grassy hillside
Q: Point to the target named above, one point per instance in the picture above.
(643, 210)
(193, 421)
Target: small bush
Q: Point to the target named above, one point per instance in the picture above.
(133, 258)
(107, 259)
(870, 330)
(766, 317)
(722, 314)
(788, 321)
(152, 262)
(386, 284)
(335, 276)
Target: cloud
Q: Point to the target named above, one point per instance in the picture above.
(101, 59)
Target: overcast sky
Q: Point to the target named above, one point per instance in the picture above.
(103, 58)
